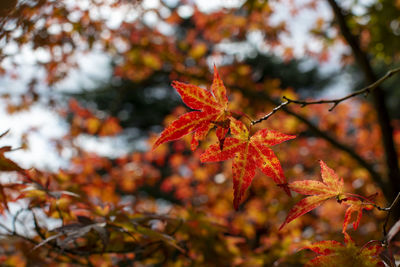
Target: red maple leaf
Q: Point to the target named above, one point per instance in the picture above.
(212, 111)
(333, 253)
(330, 187)
(356, 205)
(248, 153)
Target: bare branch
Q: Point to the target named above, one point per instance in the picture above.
(271, 113)
(369, 166)
(376, 177)
(378, 96)
(389, 210)
(37, 227)
(15, 218)
(365, 91)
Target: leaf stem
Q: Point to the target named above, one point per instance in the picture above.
(241, 114)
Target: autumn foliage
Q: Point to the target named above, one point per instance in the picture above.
(222, 127)
(248, 152)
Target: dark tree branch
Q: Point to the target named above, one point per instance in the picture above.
(335, 102)
(378, 98)
(389, 210)
(365, 91)
(376, 177)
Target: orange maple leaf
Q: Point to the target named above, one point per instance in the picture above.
(212, 111)
(248, 153)
(333, 253)
(330, 187)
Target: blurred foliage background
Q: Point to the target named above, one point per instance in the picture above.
(131, 206)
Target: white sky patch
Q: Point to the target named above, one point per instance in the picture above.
(149, 4)
(299, 39)
(151, 18)
(103, 146)
(42, 55)
(94, 69)
(210, 6)
(299, 25)
(42, 152)
(185, 11)
(165, 28)
(25, 222)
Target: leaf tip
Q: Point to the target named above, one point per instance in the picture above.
(175, 84)
(156, 144)
(322, 164)
(282, 225)
(216, 74)
(347, 238)
(236, 201)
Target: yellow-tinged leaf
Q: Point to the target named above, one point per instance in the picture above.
(248, 154)
(332, 186)
(333, 254)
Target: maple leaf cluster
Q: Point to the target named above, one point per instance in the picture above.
(109, 208)
(252, 151)
(249, 152)
(318, 192)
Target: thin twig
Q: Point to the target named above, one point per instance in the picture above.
(389, 210)
(366, 90)
(369, 202)
(397, 199)
(241, 114)
(369, 166)
(271, 113)
(15, 218)
(378, 96)
(37, 227)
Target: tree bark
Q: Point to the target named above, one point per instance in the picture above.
(393, 172)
